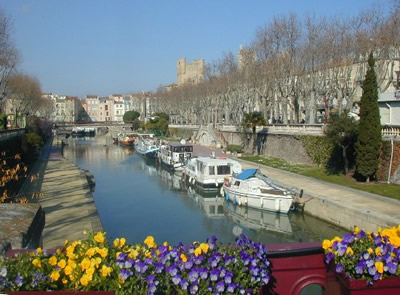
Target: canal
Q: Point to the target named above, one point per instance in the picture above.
(136, 198)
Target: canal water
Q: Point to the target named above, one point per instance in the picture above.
(136, 198)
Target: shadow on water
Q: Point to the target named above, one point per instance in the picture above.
(135, 198)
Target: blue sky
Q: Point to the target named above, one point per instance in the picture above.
(79, 47)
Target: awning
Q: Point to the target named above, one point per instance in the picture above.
(245, 174)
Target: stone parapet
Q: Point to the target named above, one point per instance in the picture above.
(21, 225)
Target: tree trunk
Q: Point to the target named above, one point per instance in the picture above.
(346, 161)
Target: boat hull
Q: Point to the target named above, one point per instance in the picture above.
(273, 203)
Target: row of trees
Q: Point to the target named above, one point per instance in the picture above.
(291, 67)
(21, 91)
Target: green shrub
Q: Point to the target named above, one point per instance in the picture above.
(234, 148)
(318, 148)
(34, 142)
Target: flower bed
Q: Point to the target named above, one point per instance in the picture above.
(364, 255)
(92, 265)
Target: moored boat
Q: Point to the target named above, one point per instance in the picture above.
(174, 156)
(126, 141)
(209, 173)
(253, 189)
(146, 147)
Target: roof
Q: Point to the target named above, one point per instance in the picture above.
(389, 96)
(179, 144)
(217, 159)
(246, 174)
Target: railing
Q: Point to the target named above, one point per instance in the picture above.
(6, 134)
(389, 132)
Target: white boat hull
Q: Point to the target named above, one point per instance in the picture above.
(273, 203)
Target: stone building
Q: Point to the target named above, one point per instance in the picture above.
(192, 73)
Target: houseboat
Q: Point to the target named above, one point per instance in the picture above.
(174, 156)
(208, 173)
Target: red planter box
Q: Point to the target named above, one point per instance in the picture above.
(385, 286)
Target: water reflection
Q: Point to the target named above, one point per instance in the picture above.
(135, 197)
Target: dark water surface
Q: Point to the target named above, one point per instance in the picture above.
(136, 198)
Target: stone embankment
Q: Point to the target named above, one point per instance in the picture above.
(66, 201)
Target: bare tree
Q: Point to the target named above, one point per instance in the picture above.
(24, 94)
(8, 54)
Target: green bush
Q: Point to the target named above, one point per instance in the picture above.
(34, 142)
(319, 148)
(234, 148)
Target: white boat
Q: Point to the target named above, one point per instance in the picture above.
(175, 155)
(146, 147)
(253, 189)
(209, 173)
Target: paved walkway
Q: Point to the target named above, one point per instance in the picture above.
(66, 198)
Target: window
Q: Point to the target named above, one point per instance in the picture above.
(211, 170)
(223, 170)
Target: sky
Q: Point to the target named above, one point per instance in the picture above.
(104, 47)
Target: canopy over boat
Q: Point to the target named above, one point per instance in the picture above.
(246, 174)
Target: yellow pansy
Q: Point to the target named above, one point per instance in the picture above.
(36, 262)
(85, 263)
(90, 252)
(165, 244)
(39, 251)
(349, 251)
(105, 271)
(204, 247)
(326, 244)
(133, 253)
(183, 257)
(103, 252)
(379, 266)
(99, 237)
(58, 251)
(336, 239)
(61, 264)
(197, 251)
(116, 242)
(68, 270)
(378, 251)
(55, 275)
(122, 242)
(90, 271)
(53, 260)
(85, 279)
(95, 262)
(356, 230)
(149, 241)
(370, 251)
(64, 281)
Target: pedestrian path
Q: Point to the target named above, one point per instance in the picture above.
(65, 197)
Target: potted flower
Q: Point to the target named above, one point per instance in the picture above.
(365, 261)
(147, 268)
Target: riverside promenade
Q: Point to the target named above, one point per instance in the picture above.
(66, 197)
(339, 205)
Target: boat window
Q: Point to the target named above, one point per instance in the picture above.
(223, 170)
(237, 183)
(189, 149)
(211, 170)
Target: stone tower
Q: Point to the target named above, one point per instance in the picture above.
(192, 73)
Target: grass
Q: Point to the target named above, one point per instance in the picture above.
(383, 189)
